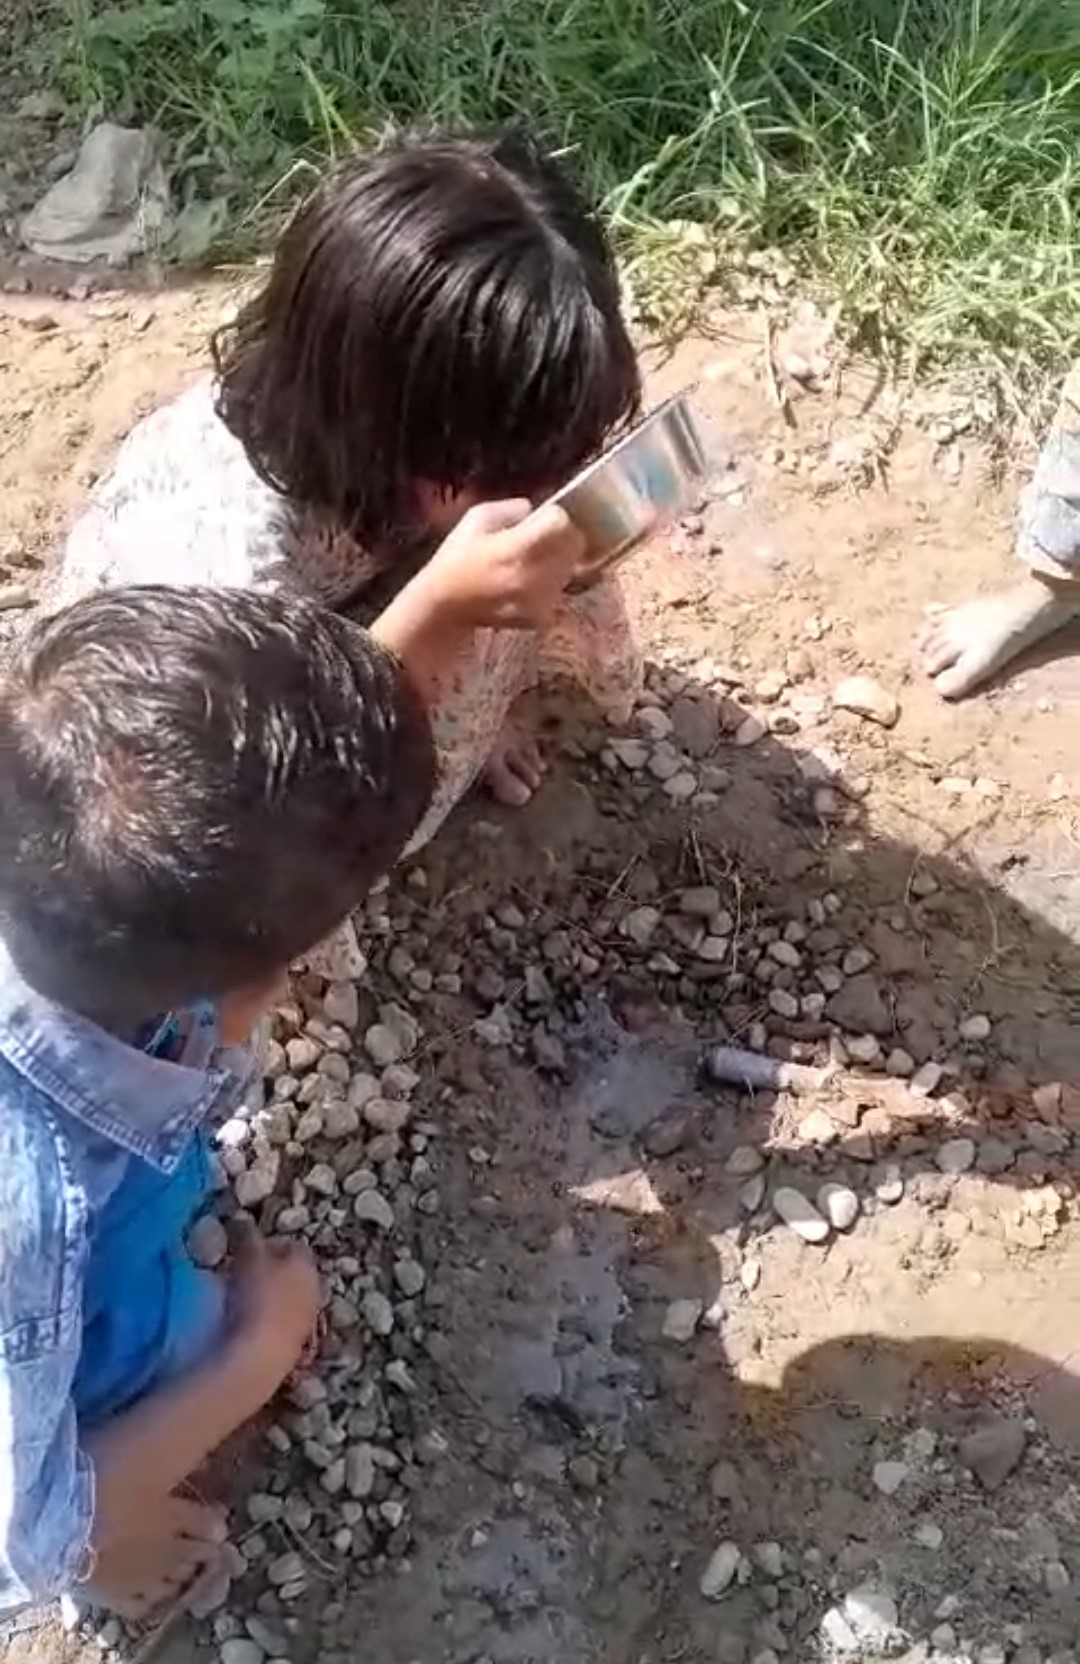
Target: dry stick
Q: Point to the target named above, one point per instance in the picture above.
(780, 397)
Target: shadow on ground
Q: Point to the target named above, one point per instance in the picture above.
(607, 1182)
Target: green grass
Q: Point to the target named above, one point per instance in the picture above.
(919, 160)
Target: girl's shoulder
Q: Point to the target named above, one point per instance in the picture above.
(181, 504)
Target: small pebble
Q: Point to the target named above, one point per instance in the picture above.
(974, 1029)
(681, 1320)
(956, 1156)
(749, 732)
(241, 1651)
(839, 1204)
(720, 1572)
(889, 1188)
(372, 1208)
(867, 698)
(926, 1079)
(750, 1274)
(378, 1312)
(410, 1277)
(383, 1045)
(287, 1568)
(208, 1242)
(889, 1476)
(1056, 1577)
(800, 1215)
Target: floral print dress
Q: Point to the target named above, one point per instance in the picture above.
(183, 505)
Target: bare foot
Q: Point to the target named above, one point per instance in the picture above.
(140, 1575)
(968, 644)
(515, 768)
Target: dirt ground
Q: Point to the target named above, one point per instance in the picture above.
(804, 1417)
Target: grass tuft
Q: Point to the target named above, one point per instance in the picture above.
(917, 157)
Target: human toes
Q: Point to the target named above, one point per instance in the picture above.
(506, 785)
(957, 679)
(939, 648)
(523, 758)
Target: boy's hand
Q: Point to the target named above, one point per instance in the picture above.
(276, 1301)
(505, 565)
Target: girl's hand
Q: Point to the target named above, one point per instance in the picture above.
(505, 565)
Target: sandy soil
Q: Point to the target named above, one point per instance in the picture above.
(593, 1463)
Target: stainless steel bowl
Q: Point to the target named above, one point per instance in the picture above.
(643, 483)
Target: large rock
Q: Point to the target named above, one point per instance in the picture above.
(112, 206)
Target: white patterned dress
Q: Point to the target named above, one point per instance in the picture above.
(183, 505)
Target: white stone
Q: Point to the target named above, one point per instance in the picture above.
(750, 1274)
(889, 1188)
(867, 698)
(957, 1155)
(241, 1650)
(889, 1476)
(863, 1048)
(926, 1080)
(720, 1572)
(372, 1208)
(378, 1312)
(387, 1114)
(383, 1045)
(681, 1320)
(654, 723)
(359, 1471)
(322, 1179)
(632, 754)
(341, 1004)
(743, 1161)
(800, 1215)
(361, 1088)
(750, 730)
(839, 1204)
(838, 1633)
(340, 1119)
(783, 1003)
(975, 1028)
(410, 1277)
(872, 1614)
(640, 924)
(258, 1183)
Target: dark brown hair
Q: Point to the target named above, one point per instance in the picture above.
(446, 310)
(196, 785)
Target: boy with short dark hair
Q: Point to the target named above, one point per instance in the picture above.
(195, 786)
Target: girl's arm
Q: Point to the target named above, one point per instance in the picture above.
(502, 567)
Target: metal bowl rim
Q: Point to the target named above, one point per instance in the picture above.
(636, 432)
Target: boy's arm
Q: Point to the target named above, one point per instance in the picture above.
(144, 1453)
